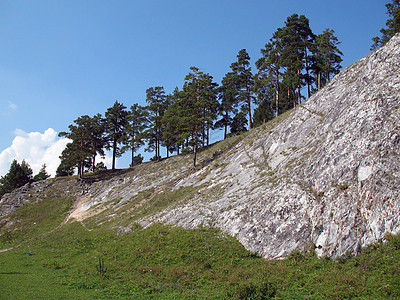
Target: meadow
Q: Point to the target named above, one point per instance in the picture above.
(167, 262)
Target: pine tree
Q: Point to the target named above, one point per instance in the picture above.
(296, 38)
(174, 126)
(209, 106)
(17, 176)
(267, 82)
(239, 123)
(228, 102)
(327, 58)
(192, 106)
(156, 98)
(244, 82)
(95, 125)
(264, 111)
(393, 25)
(78, 152)
(42, 175)
(87, 141)
(172, 123)
(65, 168)
(115, 123)
(135, 130)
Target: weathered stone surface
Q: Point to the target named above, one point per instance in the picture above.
(38, 191)
(327, 174)
(324, 175)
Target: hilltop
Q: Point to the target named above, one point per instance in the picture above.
(322, 176)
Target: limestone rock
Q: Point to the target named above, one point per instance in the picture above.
(325, 175)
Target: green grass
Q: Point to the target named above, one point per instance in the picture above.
(30, 221)
(165, 262)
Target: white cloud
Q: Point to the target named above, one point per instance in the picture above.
(12, 105)
(36, 148)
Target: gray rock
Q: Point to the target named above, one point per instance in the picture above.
(327, 174)
(323, 176)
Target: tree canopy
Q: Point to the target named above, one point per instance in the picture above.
(17, 176)
(393, 25)
(294, 63)
(115, 123)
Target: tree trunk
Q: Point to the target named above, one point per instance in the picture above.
(277, 93)
(226, 125)
(329, 72)
(308, 74)
(319, 80)
(196, 127)
(208, 135)
(204, 136)
(132, 155)
(194, 155)
(298, 86)
(299, 94)
(249, 106)
(114, 153)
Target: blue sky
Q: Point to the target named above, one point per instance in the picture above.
(63, 59)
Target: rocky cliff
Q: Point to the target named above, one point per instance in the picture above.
(325, 175)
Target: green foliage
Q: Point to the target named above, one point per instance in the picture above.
(263, 113)
(243, 83)
(393, 25)
(294, 58)
(17, 176)
(65, 168)
(42, 175)
(238, 125)
(157, 104)
(327, 58)
(100, 167)
(135, 131)
(188, 120)
(257, 289)
(228, 101)
(115, 123)
(173, 263)
(137, 160)
(87, 141)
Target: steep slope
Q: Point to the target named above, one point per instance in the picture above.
(325, 175)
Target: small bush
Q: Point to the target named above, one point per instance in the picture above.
(395, 242)
(253, 290)
(343, 186)
(389, 236)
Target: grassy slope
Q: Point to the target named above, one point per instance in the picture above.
(172, 263)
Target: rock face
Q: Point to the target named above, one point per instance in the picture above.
(325, 175)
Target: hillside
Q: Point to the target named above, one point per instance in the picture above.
(323, 176)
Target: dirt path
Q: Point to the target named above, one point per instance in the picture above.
(76, 212)
(7, 249)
